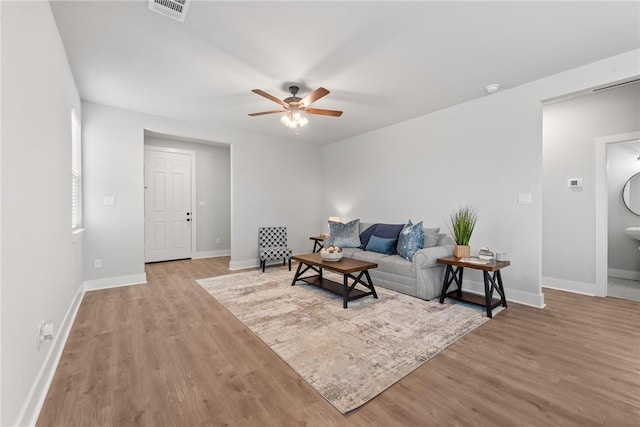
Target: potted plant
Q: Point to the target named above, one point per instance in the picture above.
(463, 220)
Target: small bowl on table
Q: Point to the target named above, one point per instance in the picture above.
(331, 254)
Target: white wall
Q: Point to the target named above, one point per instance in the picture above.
(38, 262)
(568, 217)
(485, 152)
(624, 257)
(272, 183)
(213, 187)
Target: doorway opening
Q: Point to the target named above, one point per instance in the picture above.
(186, 217)
(617, 256)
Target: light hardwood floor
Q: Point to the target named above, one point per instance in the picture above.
(167, 354)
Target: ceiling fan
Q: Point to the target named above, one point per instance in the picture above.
(293, 107)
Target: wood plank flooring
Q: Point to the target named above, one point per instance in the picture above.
(168, 354)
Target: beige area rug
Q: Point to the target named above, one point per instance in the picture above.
(348, 356)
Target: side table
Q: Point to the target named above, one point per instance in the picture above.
(493, 281)
(317, 243)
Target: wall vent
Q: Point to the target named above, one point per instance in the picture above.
(174, 9)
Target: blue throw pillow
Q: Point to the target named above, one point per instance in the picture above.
(410, 240)
(344, 235)
(381, 245)
(366, 235)
(386, 231)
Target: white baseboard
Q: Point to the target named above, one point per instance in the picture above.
(211, 254)
(624, 274)
(569, 286)
(239, 265)
(35, 399)
(115, 282)
(513, 295)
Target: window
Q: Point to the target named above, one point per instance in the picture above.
(76, 172)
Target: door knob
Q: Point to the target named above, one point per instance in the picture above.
(188, 219)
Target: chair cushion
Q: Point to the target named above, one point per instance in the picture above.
(275, 252)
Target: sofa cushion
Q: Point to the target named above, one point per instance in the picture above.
(369, 256)
(344, 235)
(410, 240)
(381, 245)
(395, 264)
(431, 237)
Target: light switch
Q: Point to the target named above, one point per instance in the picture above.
(201, 203)
(524, 199)
(109, 200)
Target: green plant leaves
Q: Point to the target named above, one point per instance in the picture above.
(463, 221)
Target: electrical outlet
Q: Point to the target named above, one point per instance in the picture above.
(97, 263)
(45, 332)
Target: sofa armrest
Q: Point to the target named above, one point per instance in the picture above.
(428, 272)
(427, 257)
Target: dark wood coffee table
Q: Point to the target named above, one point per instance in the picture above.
(346, 266)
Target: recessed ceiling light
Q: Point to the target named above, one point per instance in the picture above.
(492, 87)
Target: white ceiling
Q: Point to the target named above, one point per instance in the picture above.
(384, 62)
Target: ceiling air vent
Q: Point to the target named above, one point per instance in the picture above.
(174, 9)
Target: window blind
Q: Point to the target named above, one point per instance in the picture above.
(76, 171)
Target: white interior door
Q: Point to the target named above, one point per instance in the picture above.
(168, 216)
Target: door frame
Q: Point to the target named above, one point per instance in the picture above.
(602, 207)
(194, 215)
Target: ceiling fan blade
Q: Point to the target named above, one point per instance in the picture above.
(313, 96)
(268, 96)
(267, 112)
(322, 112)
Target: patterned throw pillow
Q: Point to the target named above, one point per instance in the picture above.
(410, 240)
(344, 235)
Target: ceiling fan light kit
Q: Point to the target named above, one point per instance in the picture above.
(293, 107)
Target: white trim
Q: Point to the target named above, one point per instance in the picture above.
(251, 263)
(35, 399)
(513, 295)
(194, 219)
(211, 254)
(77, 234)
(231, 203)
(114, 282)
(1, 144)
(624, 274)
(240, 265)
(569, 286)
(601, 205)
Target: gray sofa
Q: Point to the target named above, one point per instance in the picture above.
(422, 277)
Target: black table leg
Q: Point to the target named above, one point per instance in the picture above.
(373, 289)
(488, 292)
(295, 276)
(501, 288)
(451, 276)
(345, 290)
